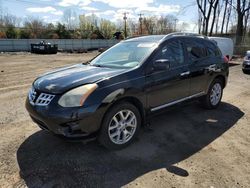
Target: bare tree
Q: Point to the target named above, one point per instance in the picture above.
(206, 7)
(150, 24)
(70, 19)
(132, 27)
(107, 28)
(214, 4)
(229, 12)
(200, 21)
(88, 24)
(241, 7)
(246, 19)
(162, 23)
(35, 27)
(224, 16)
(241, 10)
(218, 12)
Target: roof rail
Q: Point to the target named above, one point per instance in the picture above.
(184, 34)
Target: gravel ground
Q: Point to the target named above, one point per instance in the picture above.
(185, 146)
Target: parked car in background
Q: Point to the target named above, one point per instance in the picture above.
(44, 48)
(246, 63)
(226, 46)
(114, 95)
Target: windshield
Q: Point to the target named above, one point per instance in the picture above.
(124, 55)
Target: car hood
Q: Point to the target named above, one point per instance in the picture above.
(62, 80)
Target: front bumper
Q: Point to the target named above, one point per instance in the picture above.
(246, 65)
(72, 123)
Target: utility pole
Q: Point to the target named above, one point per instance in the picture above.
(175, 24)
(140, 20)
(93, 24)
(125, 23)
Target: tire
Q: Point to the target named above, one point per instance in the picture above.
(117, 132)
(246, 72)
(213, 98)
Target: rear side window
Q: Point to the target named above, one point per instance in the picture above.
(212, 49)
(195, 49)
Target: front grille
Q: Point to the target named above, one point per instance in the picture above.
(43, 99)
(247, 66)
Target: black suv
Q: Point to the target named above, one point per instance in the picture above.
(113, 95)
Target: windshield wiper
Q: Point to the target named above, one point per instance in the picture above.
(98, 65)
(86, 63)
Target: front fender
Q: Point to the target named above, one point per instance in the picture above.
(113, 96)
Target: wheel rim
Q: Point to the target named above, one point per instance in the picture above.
(215, 94)
(122, 127)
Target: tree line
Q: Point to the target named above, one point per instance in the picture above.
(83, 27)
(214, 17)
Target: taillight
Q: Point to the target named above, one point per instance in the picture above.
(226, 60)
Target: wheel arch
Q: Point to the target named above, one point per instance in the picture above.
(130, 99)
(222, 78)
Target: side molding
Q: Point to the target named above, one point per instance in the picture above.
(177, 101)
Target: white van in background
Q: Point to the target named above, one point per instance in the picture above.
(226, 46)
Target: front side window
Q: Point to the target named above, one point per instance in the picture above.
(125, 55)
(173, 51)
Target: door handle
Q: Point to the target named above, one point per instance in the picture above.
(185, 73)
(211, 67)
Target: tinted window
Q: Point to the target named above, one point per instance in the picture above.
(196, 49)
(212, 49)
(173, 51)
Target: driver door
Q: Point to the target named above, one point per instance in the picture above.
(166, 87)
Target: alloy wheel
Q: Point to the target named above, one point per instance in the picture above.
(122, 126)
(215, 94)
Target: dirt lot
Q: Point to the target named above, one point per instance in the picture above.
(186, 146)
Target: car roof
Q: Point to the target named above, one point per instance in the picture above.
(220, 38)
(162, 38)
(148, 38)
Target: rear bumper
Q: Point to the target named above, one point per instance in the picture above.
(71, 123)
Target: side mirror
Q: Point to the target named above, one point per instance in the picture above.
(161, 64)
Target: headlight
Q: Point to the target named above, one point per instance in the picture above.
(76, 97)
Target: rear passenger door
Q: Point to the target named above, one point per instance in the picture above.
(201, 61)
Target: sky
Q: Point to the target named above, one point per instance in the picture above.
(52, 10)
